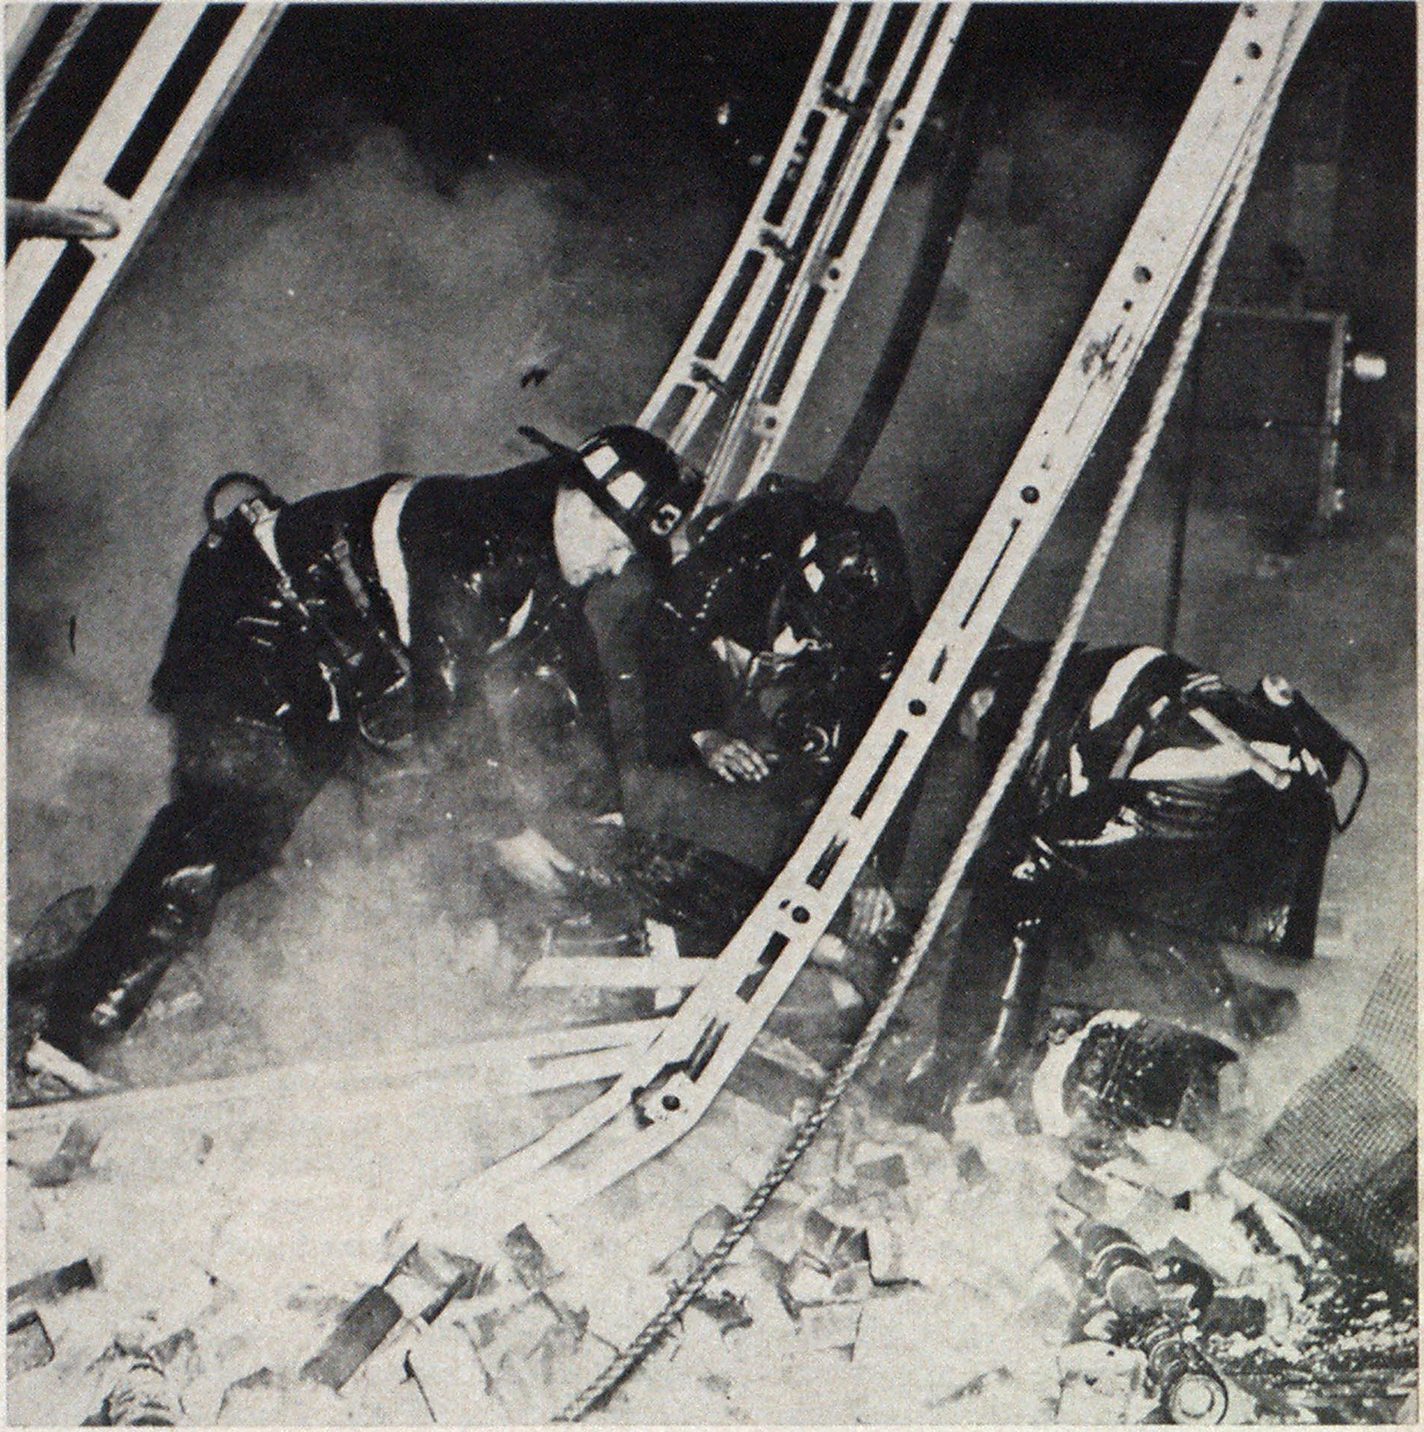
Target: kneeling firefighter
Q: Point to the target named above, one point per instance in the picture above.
(378, 612)
(767, 651)
(1157, 792)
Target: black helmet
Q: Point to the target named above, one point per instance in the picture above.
(850, 585)
(639, 482)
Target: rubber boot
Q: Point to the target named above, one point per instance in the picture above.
(82, 1026)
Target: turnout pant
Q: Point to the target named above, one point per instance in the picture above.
(239, 788)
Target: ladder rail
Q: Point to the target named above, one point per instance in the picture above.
(1188, 191)
(836, 286)
(825, 275)
(521, 1062)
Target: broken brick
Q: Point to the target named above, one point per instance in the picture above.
(778, 1230)
(806, 1283)
(890, 1171)
(727, 1311)
(886, 1247)
(819, 1235)
(1082, 1191)
(828, 1325)
(51, 1286)
(708, 1230)
(27, 1344)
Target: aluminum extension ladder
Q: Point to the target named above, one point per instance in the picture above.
(730, 394)
(127, 162)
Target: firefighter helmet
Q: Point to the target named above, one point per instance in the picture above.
(850, 585)
(639, 482)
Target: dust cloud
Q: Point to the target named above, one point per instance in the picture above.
(346, 318)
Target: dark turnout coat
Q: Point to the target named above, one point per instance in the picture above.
(428, 616)
(437, 584)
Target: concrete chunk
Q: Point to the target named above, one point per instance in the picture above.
(806, 1284)
(27, 1344)
(886, 1244)
(888, 1170)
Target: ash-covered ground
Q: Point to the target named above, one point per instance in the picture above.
(393, 229)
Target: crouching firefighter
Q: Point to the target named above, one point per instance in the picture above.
(377, 613)
(1198, 815)
(767, 651)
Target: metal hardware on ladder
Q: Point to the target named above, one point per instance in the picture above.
(613, 1134)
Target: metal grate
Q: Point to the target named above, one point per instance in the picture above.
(1342, 1155)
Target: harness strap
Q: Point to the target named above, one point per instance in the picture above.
(391, 569)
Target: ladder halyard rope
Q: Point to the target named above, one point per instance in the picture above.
(658, 1327)
(42, 81)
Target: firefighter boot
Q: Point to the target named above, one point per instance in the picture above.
(80, 1025)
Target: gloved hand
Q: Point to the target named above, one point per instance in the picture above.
(730, 757)
(872, 908)
(534, 861)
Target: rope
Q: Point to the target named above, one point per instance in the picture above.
(658, 1327)
(49, 69)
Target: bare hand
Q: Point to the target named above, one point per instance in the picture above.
(533, 861)
(730, 757)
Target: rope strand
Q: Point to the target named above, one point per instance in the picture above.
(49, 69)
(661, 1324)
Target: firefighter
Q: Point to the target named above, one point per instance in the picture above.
(767, 651)
(378, 614)
(1194, 814)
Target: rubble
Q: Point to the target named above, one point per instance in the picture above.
(880, 1281)
(27, 1344)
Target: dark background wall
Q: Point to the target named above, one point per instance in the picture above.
(408, 208)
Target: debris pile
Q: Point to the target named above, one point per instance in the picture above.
(1099, 1272)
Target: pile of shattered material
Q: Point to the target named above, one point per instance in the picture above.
(905, 1278)
(1006, 1274)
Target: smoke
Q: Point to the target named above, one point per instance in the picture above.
(339, 321)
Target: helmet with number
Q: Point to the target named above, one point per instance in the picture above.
(640, 483)
(850, 586)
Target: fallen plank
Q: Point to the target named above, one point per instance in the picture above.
(516, 1063)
